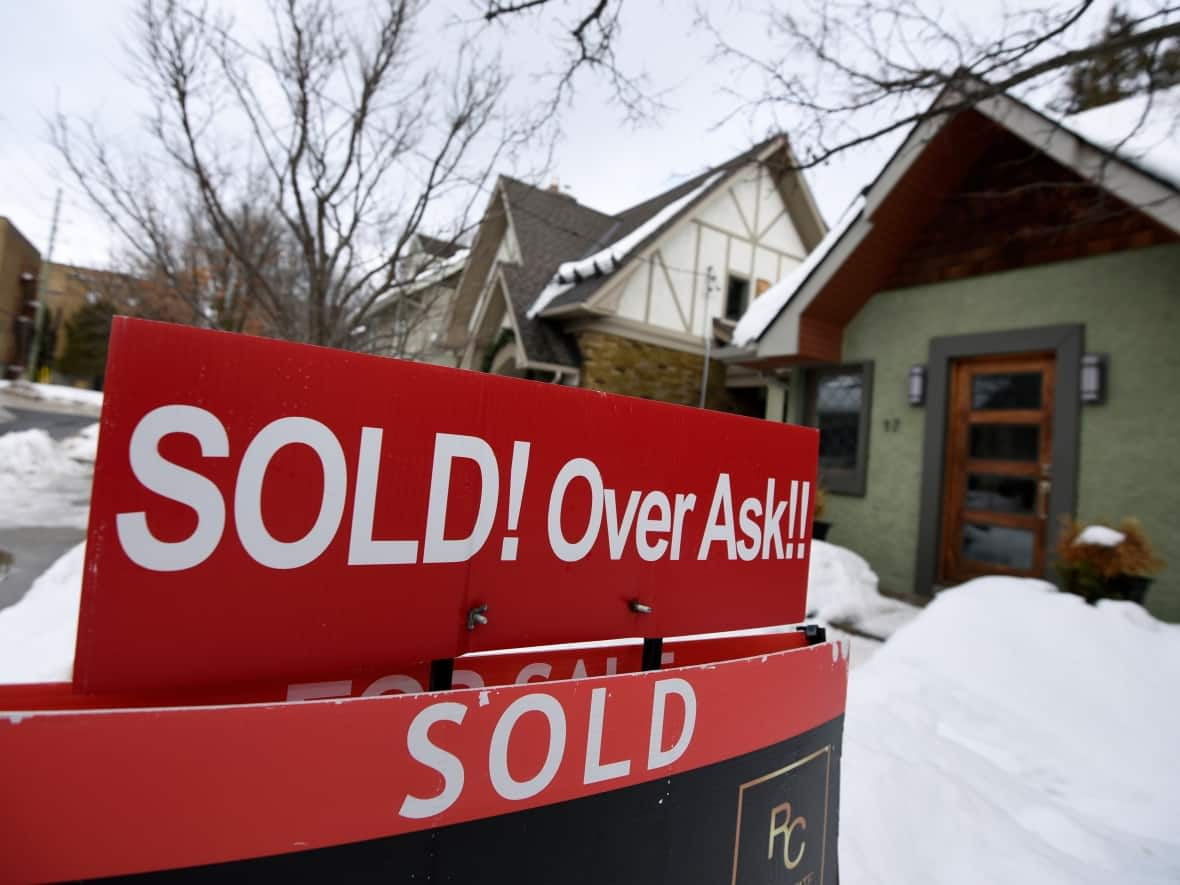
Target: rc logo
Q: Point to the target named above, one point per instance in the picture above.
(782, 822)
(785, 827)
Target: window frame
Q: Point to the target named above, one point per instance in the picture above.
(851, 482)
(729, 280)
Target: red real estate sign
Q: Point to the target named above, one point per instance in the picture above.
(267, 512)
(724, 772)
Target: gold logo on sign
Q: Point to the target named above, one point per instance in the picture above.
(786, 827)
(781, 827)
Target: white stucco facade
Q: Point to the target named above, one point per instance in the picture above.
(742, 229)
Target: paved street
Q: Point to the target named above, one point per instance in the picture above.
(33, 549)
(57, 423)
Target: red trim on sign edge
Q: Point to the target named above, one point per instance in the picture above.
(93, 793)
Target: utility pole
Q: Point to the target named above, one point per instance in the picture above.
(708, 335)
(42, 277)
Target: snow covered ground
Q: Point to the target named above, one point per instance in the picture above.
(44, 482)
(842, 592)
(37, 634)
(1005, 733)
(1012, 733)
(53, 393)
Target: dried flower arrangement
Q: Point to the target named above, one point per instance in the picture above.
(1100, 562)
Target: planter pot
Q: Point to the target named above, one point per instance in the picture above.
(819, 529)
(1131, 587)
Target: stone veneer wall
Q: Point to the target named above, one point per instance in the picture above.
(635, 368)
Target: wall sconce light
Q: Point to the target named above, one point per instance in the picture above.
(1093, 380)
(917, 386)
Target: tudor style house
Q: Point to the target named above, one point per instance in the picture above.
(987, 342)
(625, 303)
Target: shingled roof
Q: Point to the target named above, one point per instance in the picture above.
(438, 248)
(550, 227)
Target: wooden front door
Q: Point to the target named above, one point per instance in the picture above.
(998, 467)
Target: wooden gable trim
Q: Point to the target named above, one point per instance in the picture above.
(659, 239)
(478, 270)
(894, 212)
(804, 214)
(897, 219)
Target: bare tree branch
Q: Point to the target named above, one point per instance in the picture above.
(291, 174)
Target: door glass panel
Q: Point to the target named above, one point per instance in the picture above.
(1011, 390)
(838, 403)
(1004, 494)
(998, 545)
(1005, 442)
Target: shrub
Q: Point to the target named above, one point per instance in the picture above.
(1101, 571)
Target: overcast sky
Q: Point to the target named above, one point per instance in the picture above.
(72, 55)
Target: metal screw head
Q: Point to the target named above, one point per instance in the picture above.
(639, 608)
(477, 615)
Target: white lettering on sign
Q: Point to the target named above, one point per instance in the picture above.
(259, 543)
(578, 468)
(657, 756)
(502, 780)
(431, 755)
(362, 549)
(451, 768)
(650, 524)
(447, 448)
(596, 771)
(399, 683)
(177, 484)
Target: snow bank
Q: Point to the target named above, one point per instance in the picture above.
(82, 446)
(54, 393)
(1014, 733)
(37, 634)
(842, 590)
(30, 453)
(42, 481)
(766, 307)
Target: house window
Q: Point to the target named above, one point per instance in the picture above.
(838, 401)
(737, 296)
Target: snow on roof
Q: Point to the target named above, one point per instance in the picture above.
(766, 307)
(607, 260)
(435, 272)
(1142, 129)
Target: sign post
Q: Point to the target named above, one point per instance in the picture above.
(381, 541)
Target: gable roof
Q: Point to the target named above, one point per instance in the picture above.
(553, 230)
(549, 227)
(437, 248)
(1143, 170)
(574, 285)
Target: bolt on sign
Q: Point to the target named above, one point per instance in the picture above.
(288, 545)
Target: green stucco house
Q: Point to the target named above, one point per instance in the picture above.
(990, 341)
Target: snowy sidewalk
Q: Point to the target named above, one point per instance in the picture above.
(44, 502)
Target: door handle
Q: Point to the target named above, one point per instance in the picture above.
(1043, 499)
